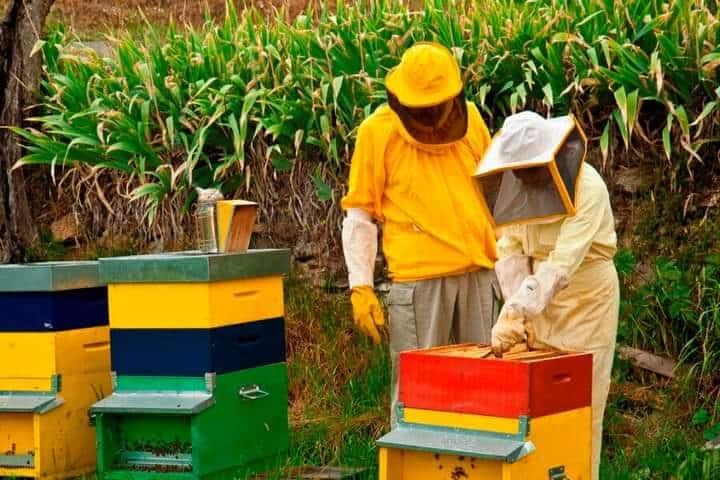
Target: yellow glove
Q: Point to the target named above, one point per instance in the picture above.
(367, 311)
(508, 331)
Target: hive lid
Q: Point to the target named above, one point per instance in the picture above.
(193, 266)
(169, 403)
(21, 402)
(49, 276)
(457, 442)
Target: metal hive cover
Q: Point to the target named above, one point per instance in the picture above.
(173, 403)
(15, 402)
(49, 276)
(456, 442)
(193, 266)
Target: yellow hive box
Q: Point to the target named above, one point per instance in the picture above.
(552, 447)
(195, 304)
(28, 361)
(49, 435)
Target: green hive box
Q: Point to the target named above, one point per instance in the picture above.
(212, 427)
(218, 425)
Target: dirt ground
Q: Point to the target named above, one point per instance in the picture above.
(97, 16)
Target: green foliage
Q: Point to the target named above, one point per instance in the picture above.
(677, 313)
(700, 464)
(653, 437)
(670, 227)
(219, 104)
(668, 454)
(702, 419)
(45, 248)
(657, 459)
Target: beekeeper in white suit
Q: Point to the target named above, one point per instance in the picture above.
(556, 246)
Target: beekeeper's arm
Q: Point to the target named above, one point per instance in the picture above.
(359, 235)
(576, 235)
(513, 264)
(511, 268)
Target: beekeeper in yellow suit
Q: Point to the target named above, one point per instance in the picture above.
(411, 172)
(555, 248)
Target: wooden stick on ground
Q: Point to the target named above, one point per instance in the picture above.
(649, 361)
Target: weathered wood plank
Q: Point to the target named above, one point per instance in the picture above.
(649, 361)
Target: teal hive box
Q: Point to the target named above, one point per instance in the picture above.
(199, 424)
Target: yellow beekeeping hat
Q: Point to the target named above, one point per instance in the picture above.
(428, 74)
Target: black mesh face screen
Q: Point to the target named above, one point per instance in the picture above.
(521, 201)
(435, 125)
(569, 159)
(490, 187)
(534, 176)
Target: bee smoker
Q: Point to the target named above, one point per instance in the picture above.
(206, 220)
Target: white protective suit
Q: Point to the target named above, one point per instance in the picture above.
(582, 316)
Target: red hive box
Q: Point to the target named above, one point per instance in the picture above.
(468, 379)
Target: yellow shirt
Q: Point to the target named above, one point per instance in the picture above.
(433, 221)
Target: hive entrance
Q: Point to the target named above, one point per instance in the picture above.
(153, 443)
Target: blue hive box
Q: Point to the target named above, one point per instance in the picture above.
(51, 296)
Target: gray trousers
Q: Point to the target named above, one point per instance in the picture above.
(440, 311)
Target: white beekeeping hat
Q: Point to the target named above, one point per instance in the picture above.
(551, 149)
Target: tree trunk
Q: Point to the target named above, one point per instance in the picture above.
(20, 72)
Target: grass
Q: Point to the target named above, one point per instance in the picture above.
(339, 382)
(340, 401)
(676, 313)
(655, 430)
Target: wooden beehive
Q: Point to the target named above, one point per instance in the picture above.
(198, 347)
(54, 364)
(215, 426)
(466, 414)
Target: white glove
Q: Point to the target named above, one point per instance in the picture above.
(536, 291)
(508, 331)
(359, 238)
(511, 271)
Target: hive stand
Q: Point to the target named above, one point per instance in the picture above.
(198, 354)
(54, 364)
(463, 415)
